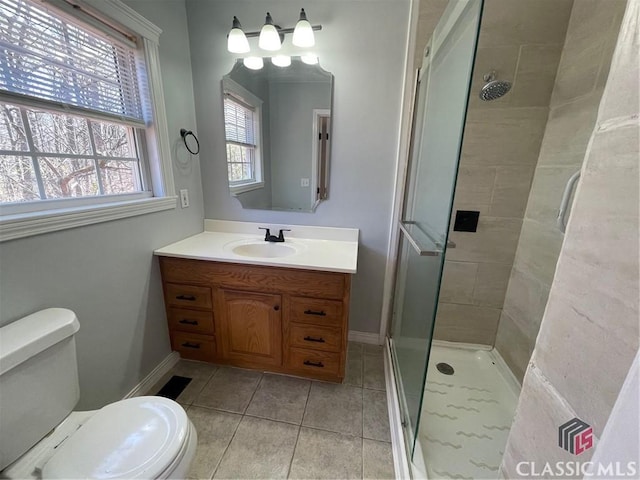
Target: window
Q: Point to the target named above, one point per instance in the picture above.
(242, 113)
(47, 155)
(75, 100)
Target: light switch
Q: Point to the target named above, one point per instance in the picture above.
(184, 198)
(304, 182)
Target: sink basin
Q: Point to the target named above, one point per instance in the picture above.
(264, 250)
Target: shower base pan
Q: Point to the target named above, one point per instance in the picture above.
(466, 415)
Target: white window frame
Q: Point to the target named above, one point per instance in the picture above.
(237, 90)
(16, 221)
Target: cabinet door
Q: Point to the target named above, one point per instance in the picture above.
(251, 327)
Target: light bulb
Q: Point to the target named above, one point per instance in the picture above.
(269, 36)
(281, 60)
(253, 63)
(237, 41)
(303, 33)
(309, 59)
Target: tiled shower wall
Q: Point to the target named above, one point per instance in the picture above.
(589, 335)
(522, 41)
(582, 73)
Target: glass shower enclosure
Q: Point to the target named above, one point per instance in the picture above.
(439, 116)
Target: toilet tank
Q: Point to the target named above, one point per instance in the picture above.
(38, 378)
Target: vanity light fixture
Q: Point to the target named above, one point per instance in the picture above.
(271, 35)
(253, 63)
(309, 59)
(281, 60)
(237, 41)
(303, 33)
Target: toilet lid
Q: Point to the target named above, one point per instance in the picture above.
(134, 438)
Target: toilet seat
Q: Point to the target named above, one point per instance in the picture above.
(135, 438)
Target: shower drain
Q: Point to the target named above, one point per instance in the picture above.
(445, 368)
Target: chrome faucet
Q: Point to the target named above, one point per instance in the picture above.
(272, 238)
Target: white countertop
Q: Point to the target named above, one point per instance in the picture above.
(316, 248)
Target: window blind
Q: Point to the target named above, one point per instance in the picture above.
(239, 122)
(45, 56)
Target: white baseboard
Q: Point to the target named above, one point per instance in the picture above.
(400, 458)
(364, 337)
(156, 374)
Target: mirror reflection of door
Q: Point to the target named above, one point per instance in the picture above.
(321, 127)
(277, 144)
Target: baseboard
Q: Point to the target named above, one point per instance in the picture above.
(400, 458)
(460, 345)
(156, 374)
(364, 337)
(505, 371)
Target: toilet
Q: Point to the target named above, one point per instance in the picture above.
(42, 437)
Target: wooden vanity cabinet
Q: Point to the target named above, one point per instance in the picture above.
(267, 318)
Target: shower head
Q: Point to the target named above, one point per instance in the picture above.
(493, 89)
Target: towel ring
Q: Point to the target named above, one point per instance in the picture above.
(184, 134)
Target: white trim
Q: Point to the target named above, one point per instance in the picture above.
(460, 345)
(364, 337)
(503, 369)
(400, 459)
(156, 374)
(26, 225)
(236, 190)
(404, 140)
(158, 144)
(126, 17)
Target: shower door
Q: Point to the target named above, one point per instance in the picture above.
(439, 116)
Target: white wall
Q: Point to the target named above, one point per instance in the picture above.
(363, 44)
(106, 272)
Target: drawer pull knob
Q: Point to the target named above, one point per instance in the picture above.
(186, 321)
(191, 345)
(312, 339)
(189, 298)
(276, 307)
(321, 313)
(314, 364)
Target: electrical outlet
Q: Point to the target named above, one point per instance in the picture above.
(184, 198)
(304, 182)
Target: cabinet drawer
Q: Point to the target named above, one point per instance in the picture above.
(195, 321)
(315, 311)
(316, 337)
(193, 346)
(314, 361)
(188, 295)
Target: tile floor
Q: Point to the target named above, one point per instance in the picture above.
(261, 425)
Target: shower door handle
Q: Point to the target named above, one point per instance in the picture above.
(424, 246)
(564, 204)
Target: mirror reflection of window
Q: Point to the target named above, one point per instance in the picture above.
(242, 126)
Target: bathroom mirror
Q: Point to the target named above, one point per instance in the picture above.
(277, 134)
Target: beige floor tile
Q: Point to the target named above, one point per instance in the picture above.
(230, 389)
(334, 407)
(215, 431)
(374, 372)
(377, 460)
(260, 449)
(375, 415)
(327, 455)
(280, 398)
